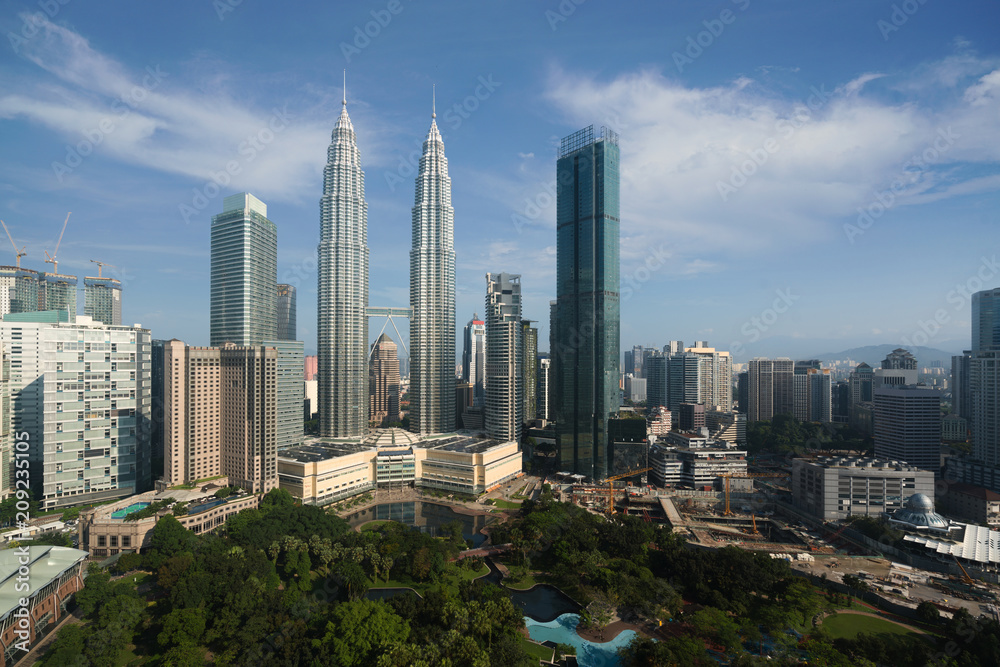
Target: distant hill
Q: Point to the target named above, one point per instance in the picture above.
(805, 348)
(874, 354)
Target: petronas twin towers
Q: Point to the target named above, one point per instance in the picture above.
(343, 290)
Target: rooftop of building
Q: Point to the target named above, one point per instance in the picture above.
(467, 444)
(387, 437)
(974, 491)
(45, 564)
(863, 462)
(315, 452)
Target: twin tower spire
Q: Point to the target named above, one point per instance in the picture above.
(342, 262)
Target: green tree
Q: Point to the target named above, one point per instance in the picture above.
(182, 627)
(68, 648)
(928, 613)
(170, 538)
(358, 632)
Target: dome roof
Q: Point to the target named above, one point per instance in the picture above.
(919, 502)
(918, 512)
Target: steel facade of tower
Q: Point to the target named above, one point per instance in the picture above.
(244, 273)
(432, 294)
(343, 288)
(586, 336)
(102, 300)
(286, 312)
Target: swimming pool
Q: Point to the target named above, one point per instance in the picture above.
(588, 654)
(125, 511)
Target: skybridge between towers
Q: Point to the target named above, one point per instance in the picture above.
(388, 314)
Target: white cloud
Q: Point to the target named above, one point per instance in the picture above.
(830, 151)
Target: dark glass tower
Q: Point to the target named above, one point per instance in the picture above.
(286, 312)
(585, 336)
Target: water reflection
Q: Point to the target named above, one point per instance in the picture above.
(423, 516)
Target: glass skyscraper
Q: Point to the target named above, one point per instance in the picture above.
(585, 336)
(244, 273)
(343, 288)
(432, 293)
(286, 312)
(474, 358)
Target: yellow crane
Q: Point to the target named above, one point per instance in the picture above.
(101, 265)
(727, 512)
(52, 260)
(966, 577)
(20, 253)
(611, 485)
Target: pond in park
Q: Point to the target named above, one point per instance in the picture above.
(423, 516)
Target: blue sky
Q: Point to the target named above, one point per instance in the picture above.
(823, 174)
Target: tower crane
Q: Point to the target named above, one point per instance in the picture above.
(101, 265)
(611, 485)
(52, 260)
(20, 253)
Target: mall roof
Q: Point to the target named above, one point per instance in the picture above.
(322, 451)
(979, 544)
(465, 444)
(45, 564)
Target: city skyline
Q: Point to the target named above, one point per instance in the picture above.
(925, 87)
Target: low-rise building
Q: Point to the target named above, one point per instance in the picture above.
(835, 488)
(104, 532)
(323, 472)
(694, 466)
(54, 574)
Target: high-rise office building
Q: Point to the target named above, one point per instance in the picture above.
(544, 386)
(102, 299)
(383, 382)
(899, 359)
(586, 335)
(244, 273)
(656, 381)
(220, 414)
(716, 376)
(286, 312)
(248, 418)
(861, 381)
(474, 358)
(638, 359)
(812, 392)
(57, 292)
(907, 425)
(684, 385)
(504, 413)
(432, 293)
(343, 287)
(289, 392)
(770, 388)
(157, 374)
(986, 320)
(961, 396)
(529, 378)
(82, 391)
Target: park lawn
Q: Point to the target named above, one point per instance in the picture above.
(848, 626)
(453, 576)
(374, 525)
(523, 584)
(506, 504)
(536, 650)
